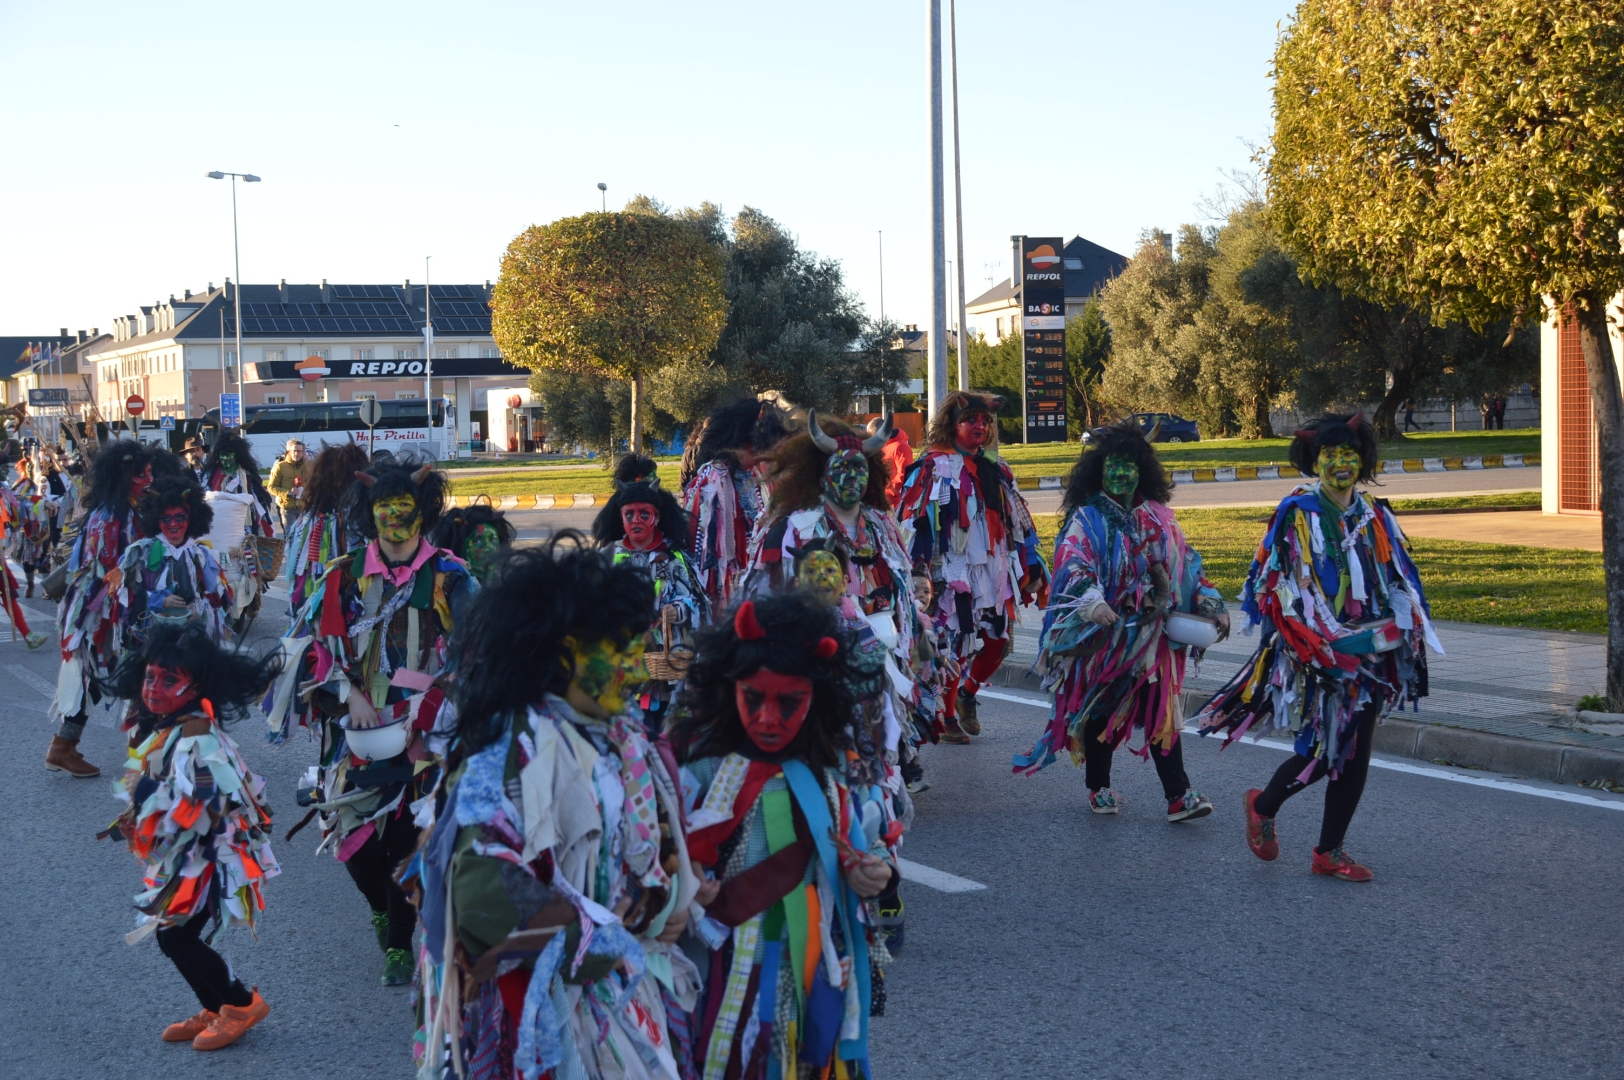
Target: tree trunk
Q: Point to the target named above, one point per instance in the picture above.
(1262, 425)
(637, 413)
(1608, 400)
(1385, 422)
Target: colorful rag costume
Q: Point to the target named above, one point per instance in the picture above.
(1129, 674)
(544, 835)
(154, 570)
(197, 820)
(313, 540)
(789, 988)
(1323, 585)
(91, 612)
(260, 514)
(674, 583)
(36, 509)
(723, 502)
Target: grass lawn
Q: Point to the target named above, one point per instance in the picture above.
(1501, 584)
(590, 479)
(1055, 459)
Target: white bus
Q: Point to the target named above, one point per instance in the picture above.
(403, 427)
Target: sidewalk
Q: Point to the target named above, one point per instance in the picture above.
(1529, 528)
(1498, 699)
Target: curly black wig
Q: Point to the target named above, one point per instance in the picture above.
(537, 597)
(637, 480)
(746, 424)
(332, 474)
(120, 461)
(453, 530)
(229, 681)
(229, 442)
(707, 722)
(173, 491)
(422, 481)
(1087, 476)
(1333, 430)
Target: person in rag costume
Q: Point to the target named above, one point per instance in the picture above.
(195, 816)
(723, 494)
(796, 851)
(1121, 564)
(478, 535)
(1346, 628)
(16, 517)
(556, 880)
(32, 542)
(230, 470)
(644, 525)
(323, 532)
(90, 612)
(168, 576)
(366, 665)
(964, 519)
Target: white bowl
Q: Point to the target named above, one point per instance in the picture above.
(1196, 631)
(379, 743)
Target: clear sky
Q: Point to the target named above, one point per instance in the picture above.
(390, 131)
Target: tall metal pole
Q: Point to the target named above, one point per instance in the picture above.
(236, 262)
(428, 362)
(963, 341)
(884, 390)
(937, 375)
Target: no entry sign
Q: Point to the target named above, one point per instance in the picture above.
(135, 405)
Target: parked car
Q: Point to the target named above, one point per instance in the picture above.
(1174, 429)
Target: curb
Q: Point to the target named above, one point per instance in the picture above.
(1272, 472)
(584, 501)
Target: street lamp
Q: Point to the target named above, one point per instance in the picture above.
(603, 193)
(236, 261)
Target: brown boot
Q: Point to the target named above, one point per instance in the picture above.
(64, 756)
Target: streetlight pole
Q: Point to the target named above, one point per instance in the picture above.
(603, 195)
(958, 199)
(937, 375)
(236, 262)
(428, 360)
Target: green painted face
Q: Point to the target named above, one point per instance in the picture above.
(481, 550)
(1339, 467)
(845, 477)
(396, 518)
(1121, 477)
(228, 462)
(604, 672)
(820, 575)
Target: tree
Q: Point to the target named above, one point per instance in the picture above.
(999, 369)
(616, 295)
(1466, 160)
(1088, 348)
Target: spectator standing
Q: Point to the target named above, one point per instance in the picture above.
(1497, 412)
(289, 475)
(1409, 415)
(898, 455)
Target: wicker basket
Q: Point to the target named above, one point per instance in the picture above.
(268, 553)
(671, 663)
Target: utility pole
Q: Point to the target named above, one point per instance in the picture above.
(883, 388)
(428, 357)
(963, 340)
(937, 375)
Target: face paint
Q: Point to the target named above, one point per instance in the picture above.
(773, 707)
(228, 462)
(173, 523)
(819, 573)
(970, 434)
(642, 524)
(396, 518)
(165, 690)
(1339, 467)
(1121, 477)
(923, 591)
(481, 550)
(845, 477)
(139, 484)
(604, 672)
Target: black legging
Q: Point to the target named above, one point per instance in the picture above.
(1097, 760)
(372, 868)
(1341, 794)
(204, 970)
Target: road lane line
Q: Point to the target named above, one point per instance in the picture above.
(34, 682)
(940, 880)
(1385, 763)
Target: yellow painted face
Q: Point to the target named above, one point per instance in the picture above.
(605, 672)
(820, 575)
(396, 518)
(1339, 467)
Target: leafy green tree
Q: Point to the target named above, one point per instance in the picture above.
(999, 369)
(1466, 160)
(617, 295)
(1088, 348)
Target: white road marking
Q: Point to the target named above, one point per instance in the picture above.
(1494, 783)
(940, 880)
(28, 678)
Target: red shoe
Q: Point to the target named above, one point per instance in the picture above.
(187, 1030)
(232, 1024)
(1260, 830)
(1336, 863)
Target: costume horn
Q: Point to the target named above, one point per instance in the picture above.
(874, 442)
(1155, 429)
(745, 624)
(365, 477)
(825, 648)
(820, 438)
(422, 474)
(1355, 420)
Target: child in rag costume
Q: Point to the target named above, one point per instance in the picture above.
(1121, 564)
(1346, 630)
(478, 535)
(556, 880)
(797, 852)
(17, 518)
(38, 506)
(322, 532)
(366, 662)
(168, 575)
(196, 817)
(231, 470)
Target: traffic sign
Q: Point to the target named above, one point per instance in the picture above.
(231, 410)
(371, 411)
(167, 423)
(48, 396)
(135, 404)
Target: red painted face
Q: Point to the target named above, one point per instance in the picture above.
(166, 690)
(773, 707)
(971, 433)
(139, 484)
(642, 524)
(173, 524)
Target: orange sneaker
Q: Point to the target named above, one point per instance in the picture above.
(1260, 830)
(232, 1024)
(1337, 863)
(187, 1030)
